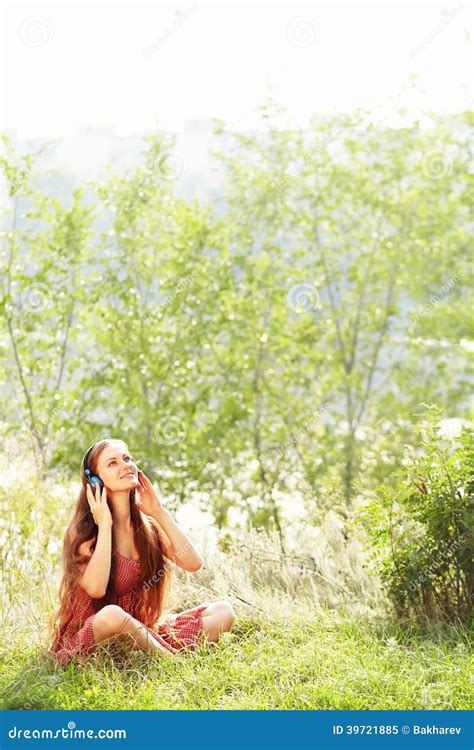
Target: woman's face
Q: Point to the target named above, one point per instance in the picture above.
(116, 468)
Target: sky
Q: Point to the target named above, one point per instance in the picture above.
(71, 65)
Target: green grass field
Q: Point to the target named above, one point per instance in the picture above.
(304, 660)
(301, 640)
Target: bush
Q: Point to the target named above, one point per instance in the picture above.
(422, 530)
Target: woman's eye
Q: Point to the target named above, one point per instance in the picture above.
(127, 458)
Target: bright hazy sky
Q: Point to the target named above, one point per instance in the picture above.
(67, 65)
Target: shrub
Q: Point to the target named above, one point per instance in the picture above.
(422, 530)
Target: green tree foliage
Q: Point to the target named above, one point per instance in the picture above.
(43, 265)
(280, 339)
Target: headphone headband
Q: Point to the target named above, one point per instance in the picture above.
(84, 460)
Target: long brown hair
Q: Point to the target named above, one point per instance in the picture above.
(150, 604)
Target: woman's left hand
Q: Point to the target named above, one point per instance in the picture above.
(150, 500)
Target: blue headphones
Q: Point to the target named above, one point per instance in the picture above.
(92, 479)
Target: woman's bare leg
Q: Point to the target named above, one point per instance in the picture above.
(112, 621)
(217, 617)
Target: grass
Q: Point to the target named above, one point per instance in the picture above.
(305, 660)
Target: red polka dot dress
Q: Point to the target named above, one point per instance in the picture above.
(76, 637)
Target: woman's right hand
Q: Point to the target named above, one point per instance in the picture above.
(99, 506)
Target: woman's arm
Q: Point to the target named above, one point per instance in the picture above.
(95, 577)
(178, 546)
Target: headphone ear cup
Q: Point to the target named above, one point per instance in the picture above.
(97, 480)
(93, 480)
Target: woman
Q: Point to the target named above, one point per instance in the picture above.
(116, 577)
